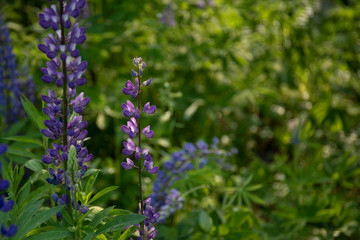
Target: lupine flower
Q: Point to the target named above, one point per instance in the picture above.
(128, 165)
(147, 132)
(202, 3)
(167, 199)
(65, 125)
(167, 17)
(3, 149)
(133, 129)
(10, 83)
(151, 219)
(149, 109)
(8, 232)
(128, 108)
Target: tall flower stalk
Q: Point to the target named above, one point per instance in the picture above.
(133, 128)
(65, 126)
(11, 85)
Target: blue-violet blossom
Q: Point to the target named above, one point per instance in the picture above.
(65, 124)
(132, 150)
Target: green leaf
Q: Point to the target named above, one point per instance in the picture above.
(16, 127)
(100, 216)
(248, 180)
(119, 223)
(23, 193)
(25, 139)
(82, 218)
(25, 217)
(40, 230)
(91, 182)
(256, 199)
(21, 152)
(37, 194)
(254, 187)
(117, 212)
(35, 221)
(127, 233)
(101, 237)
(90, 172)
(51, 235)
(89, 236)
(205, 221)
(34, 164)
(102, 193)
(32, 112)
(66, 216)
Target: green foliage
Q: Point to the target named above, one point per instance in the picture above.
(277, 79)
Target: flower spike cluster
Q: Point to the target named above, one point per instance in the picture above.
(167, 199)
(133, 150)
(65, 124)
(132, 128)
(5, 206)
(11, 84)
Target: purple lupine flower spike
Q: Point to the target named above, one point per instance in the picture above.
(11, 82)
(133, 129)
(164, 197)
(66, 68)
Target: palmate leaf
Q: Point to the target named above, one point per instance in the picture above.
(21, 152)
(36, 195)
(100, 216)
(127, 234)
(32, 112)
(119, 223)
(25, 140)
(35, 221)
(91, 181)
(34, 164)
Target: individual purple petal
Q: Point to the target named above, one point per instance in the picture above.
(148, 133)
(12, 230)
(47, 133)
(80, 82)
(128, 165)
(125, 166)
(3, 149)
(153, 170)
(82, 135)
(149, 109)
(4, 184)
(78, 109)
(8, 205)
(147, 82)
(55, 197)
(43, 48)
(125, 129)
(82, 66)
(133, 73)
(84, 102)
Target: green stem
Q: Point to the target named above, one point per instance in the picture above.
(140, 171)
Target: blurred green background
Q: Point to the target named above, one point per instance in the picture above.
(278, 80)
